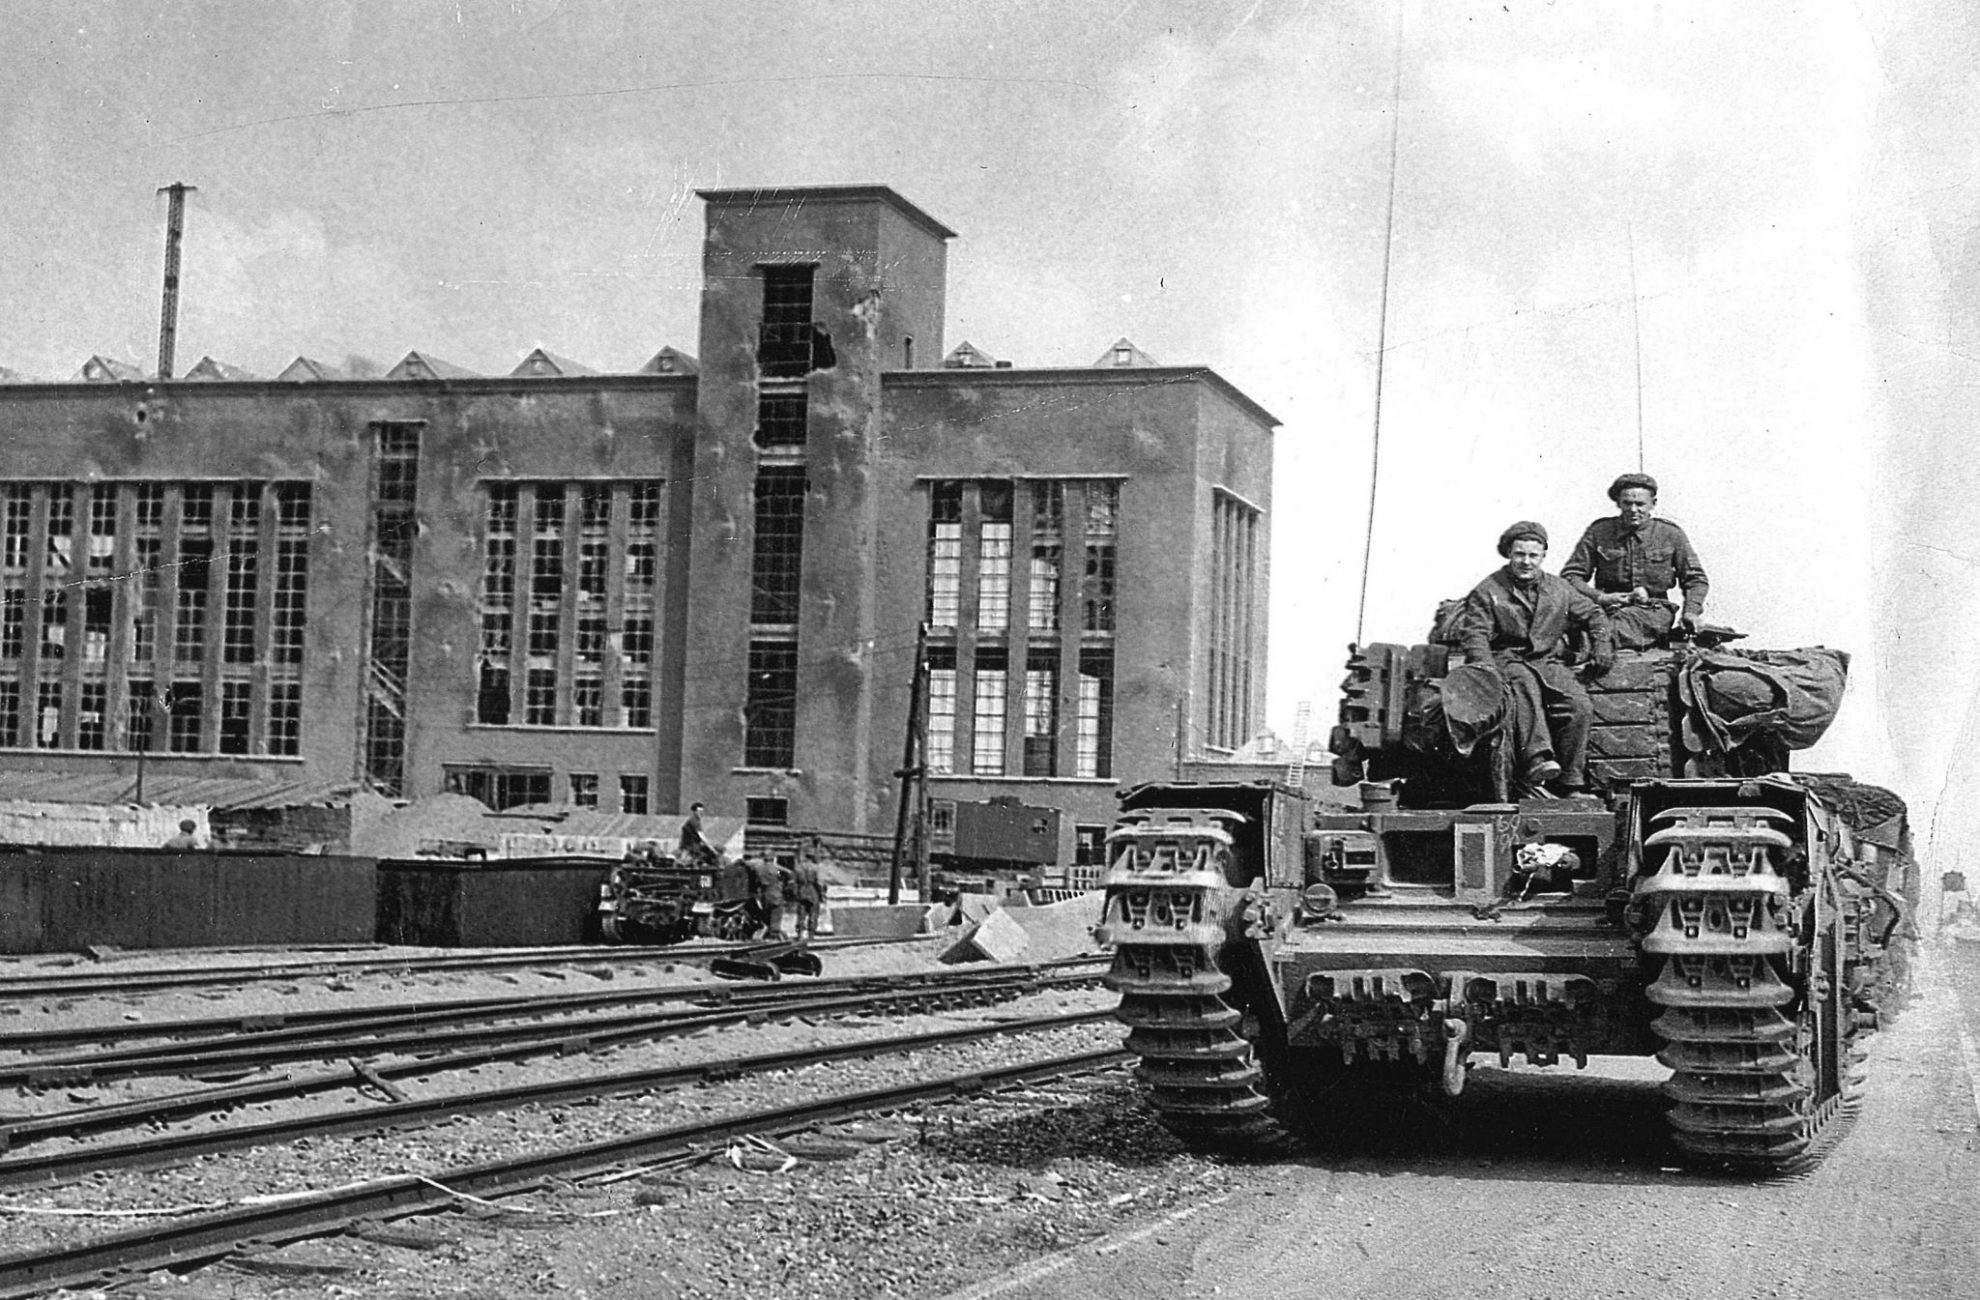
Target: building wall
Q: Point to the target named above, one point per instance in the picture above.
(879, 428)
(323, 435)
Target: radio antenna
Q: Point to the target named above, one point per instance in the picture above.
(1382, 331)
(1636, 340)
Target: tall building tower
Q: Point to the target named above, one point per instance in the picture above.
(808, 296)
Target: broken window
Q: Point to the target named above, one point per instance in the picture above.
(1048, 532)
(1041, 714)
(632, 793)
(91, 706)
(636, 703)
(184, 706)
(10, 713)
(189, 610)
(54, 625)
(499, 787)
(13, 621)
(394, 533)
(588, 702)
(98, 603)
(48, 716)
(150, 509)
(138, 708)
(61, 529)
(770, 707)
(790, 344)
(102, 526)
(584, 789)
(766, 810)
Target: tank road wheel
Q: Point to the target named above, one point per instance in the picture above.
(1168, 911)
(1754, 1024)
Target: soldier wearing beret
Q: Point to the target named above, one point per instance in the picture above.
(1629, 561)
(1517, 622)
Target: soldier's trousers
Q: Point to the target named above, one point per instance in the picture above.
(1642, 627)
(1550, 716)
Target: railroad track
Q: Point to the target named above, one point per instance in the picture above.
(525, 1041)
(696, 952)
(209, 1237)
(180, 1037)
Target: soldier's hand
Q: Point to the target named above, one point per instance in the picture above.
(1612, 600)
(1689, 622)
(1601, 664)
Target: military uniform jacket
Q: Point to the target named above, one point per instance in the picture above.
(1613, 558)
(1500, 621)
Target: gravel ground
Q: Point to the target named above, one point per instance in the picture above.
(911, 1206)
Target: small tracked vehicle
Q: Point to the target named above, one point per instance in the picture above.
(1743, 925)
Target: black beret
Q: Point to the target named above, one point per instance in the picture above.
(1627, 481)
(1524, 528)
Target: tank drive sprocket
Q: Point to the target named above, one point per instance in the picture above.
(1171, 911)
(1753, 1021)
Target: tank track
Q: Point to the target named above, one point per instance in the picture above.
(1763, 1067)
(1169, 911)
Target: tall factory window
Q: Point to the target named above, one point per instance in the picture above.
(48, 716)
(61, 528)
(1048, 548)
(945, 555)
(139, 706)
(285, 718)
(1041, 714)
(10, 713)
(13, 621)
(993, 559)
(778, 559)
(1102, 509)
(941, 756)
(580, 641)
(1027, 632)
(91, 722)
(242, 584)
(54, 625)
(17, 506)
(770, 707)
(987, 718)
(102, 526)
(235, 732)
(1094, 742)
(184, 709)
(781, 420)
(790, 344)
(1233, 578)
(394, 530)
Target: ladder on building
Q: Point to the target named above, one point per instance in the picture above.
(1302, 723)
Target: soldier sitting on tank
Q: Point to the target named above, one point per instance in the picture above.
(1516, 622)
(1629, 561)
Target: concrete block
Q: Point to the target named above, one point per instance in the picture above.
(1060, 929)
(877, 921)
(995, 938)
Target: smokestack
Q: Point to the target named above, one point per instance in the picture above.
(168, 320)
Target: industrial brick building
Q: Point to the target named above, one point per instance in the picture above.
(700, 581)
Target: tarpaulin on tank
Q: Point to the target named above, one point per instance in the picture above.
(1786, 697)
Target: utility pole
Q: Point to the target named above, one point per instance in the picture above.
(168, 320)
(914, 759)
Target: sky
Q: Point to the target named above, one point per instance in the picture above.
(1766, 211)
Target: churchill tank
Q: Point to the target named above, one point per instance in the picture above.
(1742, 923)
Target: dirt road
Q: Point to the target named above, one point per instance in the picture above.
(1552, 1184)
